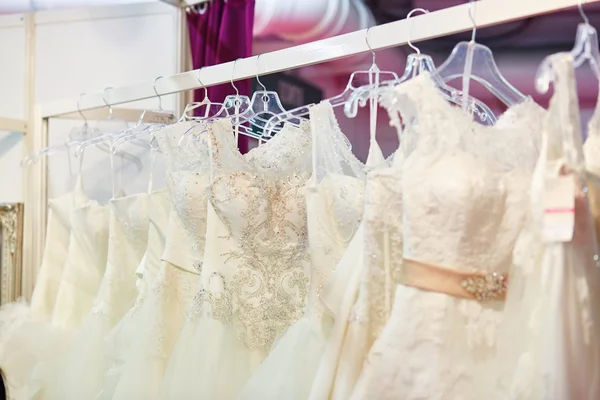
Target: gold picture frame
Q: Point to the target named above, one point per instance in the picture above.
(11, 251)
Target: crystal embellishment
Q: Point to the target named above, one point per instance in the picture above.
(488, 286)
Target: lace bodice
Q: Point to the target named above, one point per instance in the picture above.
(127, 241)
(334, 199)
(465, 185)
(187, 178)
(86, 262)
(254, 271)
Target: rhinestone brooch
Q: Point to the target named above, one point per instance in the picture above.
(488, 286)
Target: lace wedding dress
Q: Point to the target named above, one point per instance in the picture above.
(163, 311)
(553, 300)
(591, 151)
(464, 196)
(123, 335)
(253, 282)
(334, 204)
(86, 363)
(17, 354)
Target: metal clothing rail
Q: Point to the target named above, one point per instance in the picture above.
(423, 27)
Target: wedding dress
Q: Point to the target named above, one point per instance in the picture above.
(123, 334)
(86, 363)
(334, 204)
(163, 311)
(553, 300)
(591, 150)
(81, 278)
(464, 194)
(17, 353)
(253, 282)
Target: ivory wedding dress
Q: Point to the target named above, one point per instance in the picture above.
(81, 278)
(253, 282)
(554, 294)
(17, 350)
(86, 363)
(163, 311)
(123, 335)
(464, 195)
(334, 206)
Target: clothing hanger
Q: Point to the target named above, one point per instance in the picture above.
(585, 49)
(148, 123)
(264, 104)
(471, 60)
(205, 102)
(108, 137)
(416, 64)
(77, 135)
(297, 115)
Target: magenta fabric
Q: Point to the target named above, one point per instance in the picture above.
(222, 33)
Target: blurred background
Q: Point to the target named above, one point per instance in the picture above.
(62, 48)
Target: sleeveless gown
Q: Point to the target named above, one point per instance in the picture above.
(334, 207)
(17, 345)
(253, 281)
(86, 363)
(554, 296)
(464, 190)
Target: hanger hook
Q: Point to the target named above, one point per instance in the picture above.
(201, 83)
(237, 93)
(110, 110)
(85, 121)
(257, 73)
(412, 46)
(156, 92)
(580, 7)
(368, 44)
(471, 2)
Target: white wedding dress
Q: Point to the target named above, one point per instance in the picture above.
(554, 294)
(162, 313)
(81, 278)
(123, 335)
(86, 363)
(253, 282)
(464, 193)
(17, 352)
(334, 207)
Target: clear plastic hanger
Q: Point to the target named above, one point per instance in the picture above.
(585, 49)
(471, 60)
(108, 136)
(209, 106)
(297, 115)
(264, 104)
(416, 64)
(76, 136)
(148, 123)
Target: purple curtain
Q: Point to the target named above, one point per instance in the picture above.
(220, 33)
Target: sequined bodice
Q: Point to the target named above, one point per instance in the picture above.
(464, 185)
(254, 273)
(187, 178)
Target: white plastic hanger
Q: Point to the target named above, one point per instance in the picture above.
(471, 60)
(585, 49)
(373, 76)
(416, 64)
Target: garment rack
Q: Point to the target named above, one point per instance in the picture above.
(13, 125)
(423, 27)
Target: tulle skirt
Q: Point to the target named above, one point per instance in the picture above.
(152, 337)
(209, 362)
(289, 370)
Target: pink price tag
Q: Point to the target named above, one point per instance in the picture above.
(559, 209)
